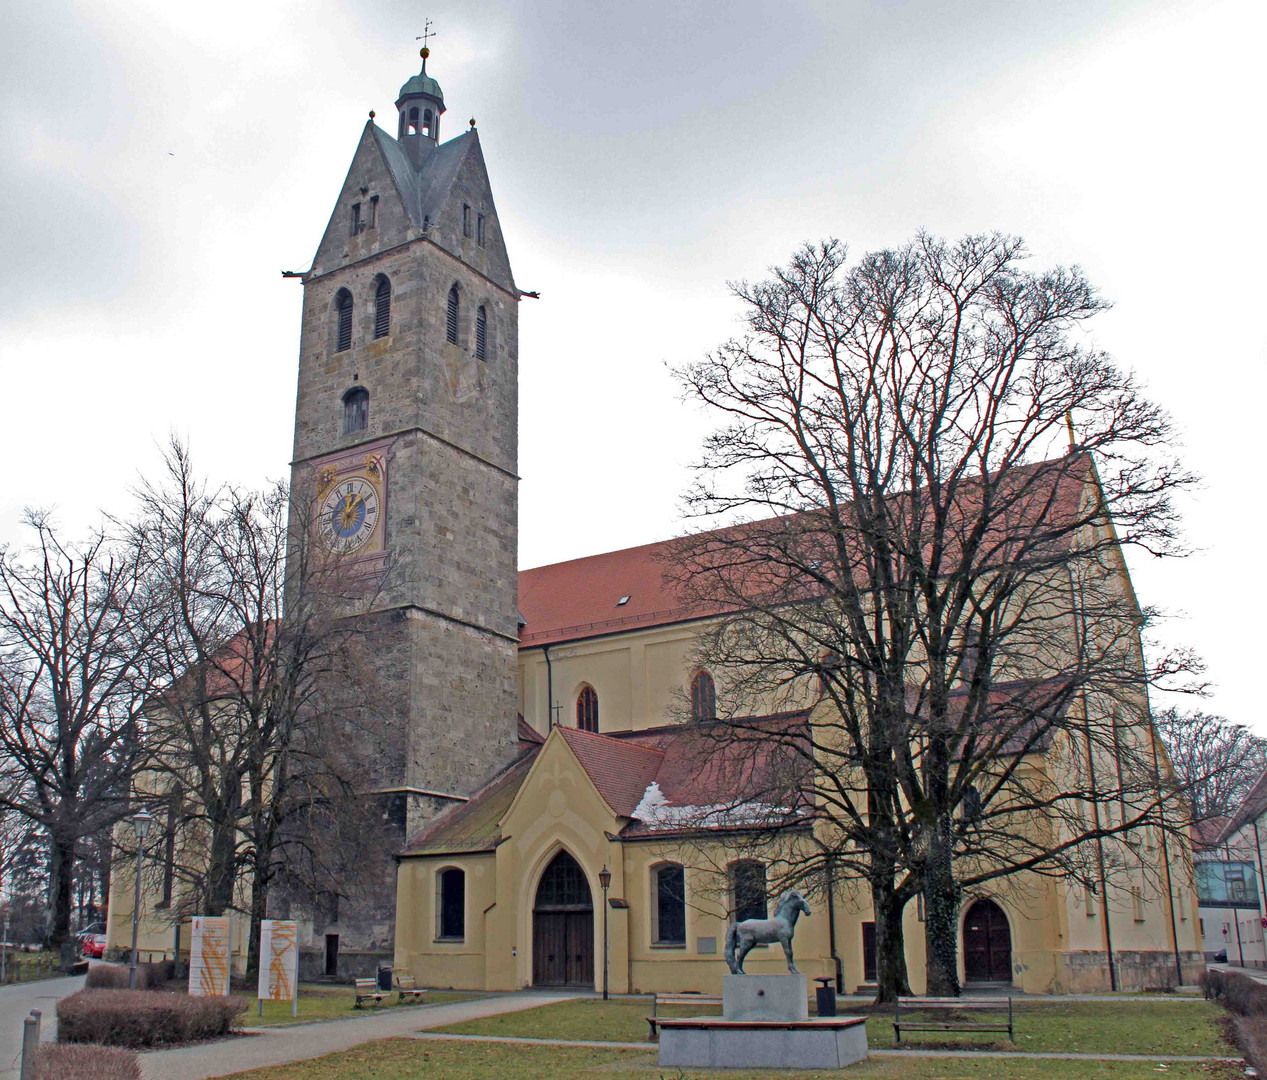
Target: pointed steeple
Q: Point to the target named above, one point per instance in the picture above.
(421, 102)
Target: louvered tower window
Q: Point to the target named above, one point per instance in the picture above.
(481, 333)
(343, 305)
(383, 308)
(451, 317)
(356, 410)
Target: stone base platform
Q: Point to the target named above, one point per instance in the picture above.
(709, 1041)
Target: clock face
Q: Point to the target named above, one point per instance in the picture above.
(349, 514)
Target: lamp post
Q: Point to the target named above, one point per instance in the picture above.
(605, 880)
(141, 823)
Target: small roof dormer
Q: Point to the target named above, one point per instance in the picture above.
(420, 104)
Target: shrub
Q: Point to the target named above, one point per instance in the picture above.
(143, 1018)
(1239, 993)
(113, 977)
(85, 1063)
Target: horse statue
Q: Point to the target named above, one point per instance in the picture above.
(742, 936)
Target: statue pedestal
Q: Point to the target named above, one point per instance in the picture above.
(765, 997)
(765, 1023)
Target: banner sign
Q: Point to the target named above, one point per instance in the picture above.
(209, 956)
(279, 959)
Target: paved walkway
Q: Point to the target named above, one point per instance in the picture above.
(1010, 1054)
(16, 1003)
(277, 1046)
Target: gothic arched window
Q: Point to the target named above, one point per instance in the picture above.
(451, 904)
(703, 697)
(481, 333)
(382, 307)
(356, 410)
(343, 306)
(451, 317)
(668, 904)
(748, 889)
(587, 709)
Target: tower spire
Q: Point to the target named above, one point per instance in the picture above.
(421, 102)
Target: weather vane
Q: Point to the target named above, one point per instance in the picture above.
(427, 32)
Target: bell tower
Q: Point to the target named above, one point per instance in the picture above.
(406, 448)
(420, 104)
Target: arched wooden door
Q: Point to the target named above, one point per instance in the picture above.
(987, 944)
(563, 926)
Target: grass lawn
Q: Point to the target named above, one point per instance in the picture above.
(410, 1059)
(1089, 1027)
(323, 1002)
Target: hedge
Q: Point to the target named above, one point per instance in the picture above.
(53, 1062)
(1247, 998)
(144, 1018)
(114, 977)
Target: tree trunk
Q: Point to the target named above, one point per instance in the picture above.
(221, 866)
(890, 944)
(259, 912)
(61, 862)
(941, 917)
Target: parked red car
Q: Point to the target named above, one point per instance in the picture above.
(92, 941)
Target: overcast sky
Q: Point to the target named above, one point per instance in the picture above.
(161, 162)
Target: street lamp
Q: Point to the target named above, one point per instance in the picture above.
(605, 880)
(141, 823)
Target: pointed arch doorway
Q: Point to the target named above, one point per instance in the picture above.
(563, 926)
(987, 944)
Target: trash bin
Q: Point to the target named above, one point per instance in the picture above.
(825, 996)
(385, 979)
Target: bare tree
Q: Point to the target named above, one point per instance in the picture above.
(75, 665)
(1216, 762)
(250, 759)
(937, 568)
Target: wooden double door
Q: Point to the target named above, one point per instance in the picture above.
(987, 944)
(563, 926)
(563, 948)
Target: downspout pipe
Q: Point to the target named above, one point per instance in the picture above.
(545, 649)
(831, 927)
(1079, 630)
(1165, 852)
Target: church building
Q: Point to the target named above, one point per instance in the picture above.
(548, 722)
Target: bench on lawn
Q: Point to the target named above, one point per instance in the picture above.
(948, 1023)
(407, 987)
(677, 999)
(367, 990)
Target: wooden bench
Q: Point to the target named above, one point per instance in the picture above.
(407, 987)
(951, 1005)
(676, 999)
(367, 990)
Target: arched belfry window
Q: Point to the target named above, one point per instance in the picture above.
(356, 410)
(451, 317)
(411, 127)
(481, 333)
(587, 709)
(668, 904)
(343, 308)
(427, 121)
(748, 890)
(382, 308)
(703, 697)
(451, 904)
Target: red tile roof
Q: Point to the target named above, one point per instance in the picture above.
(620, 770)
(579, 598)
